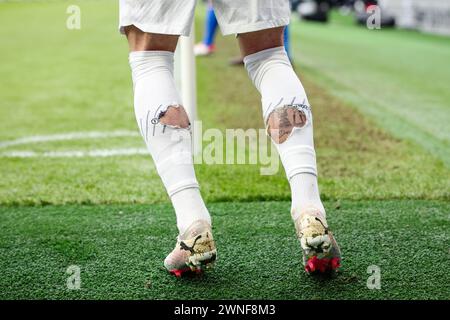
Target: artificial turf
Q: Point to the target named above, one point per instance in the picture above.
(120, 249)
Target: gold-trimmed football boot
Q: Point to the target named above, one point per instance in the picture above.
(321, 252)
(195, 250)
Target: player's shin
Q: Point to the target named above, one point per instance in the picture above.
(165, 127)
(288, 119)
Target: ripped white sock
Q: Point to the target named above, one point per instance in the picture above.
(283, 96)
(170, 146)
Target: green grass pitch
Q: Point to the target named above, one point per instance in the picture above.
(381, 117)
(119, 249)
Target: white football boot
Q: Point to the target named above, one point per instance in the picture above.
(321, 252)
(195, 250)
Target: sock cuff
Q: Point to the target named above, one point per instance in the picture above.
(258, 63)
(297, 159)
(182, 185)
(149, 54)
(264, 54)
(146, 63)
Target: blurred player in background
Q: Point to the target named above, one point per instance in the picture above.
(152, 28)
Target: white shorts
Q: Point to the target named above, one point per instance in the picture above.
(175, 16)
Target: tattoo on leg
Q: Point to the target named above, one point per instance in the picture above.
(283, 120)
(176, 117)
(173, 117)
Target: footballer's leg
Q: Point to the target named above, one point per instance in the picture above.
(164, 123)
(288, 118)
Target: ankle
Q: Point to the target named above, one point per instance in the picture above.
(310, 210)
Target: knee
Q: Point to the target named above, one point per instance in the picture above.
(283, 120)
(143, 41)
(257, 41)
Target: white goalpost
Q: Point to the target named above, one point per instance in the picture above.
(186, 78)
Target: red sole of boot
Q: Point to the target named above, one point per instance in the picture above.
(182, 272)
(324, 265)
(197, 271)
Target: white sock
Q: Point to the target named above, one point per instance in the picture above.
(272, 74)
(305, 194)
(189, 207)
(154, 92)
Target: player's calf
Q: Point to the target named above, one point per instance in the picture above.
(289, 123)
(165, 128)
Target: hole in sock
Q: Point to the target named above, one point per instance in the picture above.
(175, 116)
(283, 120)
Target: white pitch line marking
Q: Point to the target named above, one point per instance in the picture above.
(99, 153)
(96, 153)
(69, 136)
